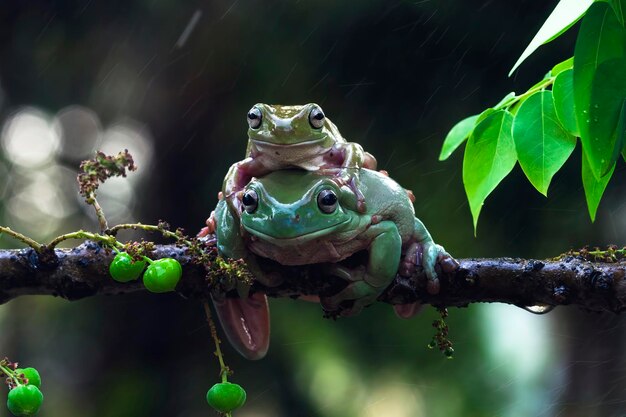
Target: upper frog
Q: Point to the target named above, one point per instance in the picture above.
(295, 217)
(298, 135)
(303, 137)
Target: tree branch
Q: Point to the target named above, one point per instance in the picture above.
(83, 271)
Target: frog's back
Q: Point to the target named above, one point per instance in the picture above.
(387, 198)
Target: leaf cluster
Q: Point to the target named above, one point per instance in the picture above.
(583, 97)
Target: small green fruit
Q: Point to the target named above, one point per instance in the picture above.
(124, 268)
(32, 375)
(24, 400)
(162, 275)
(226, 397)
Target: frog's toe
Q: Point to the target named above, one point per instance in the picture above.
(446, 261)
(406, 311)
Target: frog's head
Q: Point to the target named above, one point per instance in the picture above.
(295, 206)
(290, 125)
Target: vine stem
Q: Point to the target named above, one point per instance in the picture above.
(540, 86)
(81, 234)
(91, 197)
(224, 370)
(38, 247)
(149, 228)
(10, 374)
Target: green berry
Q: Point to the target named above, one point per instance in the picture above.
(24, 400)
(124, 268)
(226, 397)
(162, 275)
(32, 375)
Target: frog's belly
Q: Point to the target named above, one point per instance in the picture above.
(311, 252)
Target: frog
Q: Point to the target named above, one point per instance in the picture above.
(295, 136)
(299, 218)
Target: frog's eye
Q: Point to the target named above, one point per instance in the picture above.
(254, 118)
(327, 201)
(316, 117)
(250, 201)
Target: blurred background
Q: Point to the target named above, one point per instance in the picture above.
(172, 81)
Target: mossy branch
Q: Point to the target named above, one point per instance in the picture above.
(573, 280)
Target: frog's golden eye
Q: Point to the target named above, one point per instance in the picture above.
(316, 117)
(327, 201)
(254, 118)
(250, 201)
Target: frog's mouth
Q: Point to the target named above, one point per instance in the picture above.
(297, 239)
(293, 151)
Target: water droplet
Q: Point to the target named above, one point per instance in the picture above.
(595, 119)
(595, 106)
(539, 308)
(587, 120)
(584, 111)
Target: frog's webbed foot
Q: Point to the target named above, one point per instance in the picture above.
(426, 256)
(246, 323)
(350, 178)
(360, 293)
(355, 296)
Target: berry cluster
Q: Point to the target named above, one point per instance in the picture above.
(24, 397)
(161, 275)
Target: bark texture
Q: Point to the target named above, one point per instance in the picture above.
(83, 271)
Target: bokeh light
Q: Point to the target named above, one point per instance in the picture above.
(28, 138)
(79, 130)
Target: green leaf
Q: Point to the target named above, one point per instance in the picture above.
(562, 66)
(489, 157)
(541, 143)
(457, 136)
(484, 115)
(619, 7)
(565, 14)
(600, 39)
(608, 92)
(563, 90)
(594, 188)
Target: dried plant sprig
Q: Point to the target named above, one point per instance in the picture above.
(96, 171)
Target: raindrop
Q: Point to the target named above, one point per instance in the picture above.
(584, 111)
(595, 106)
(539, 308)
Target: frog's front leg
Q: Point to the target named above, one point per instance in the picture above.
(430, 252)
(369, 282)
(350, 158)
(238, 176)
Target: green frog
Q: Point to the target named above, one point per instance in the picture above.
(297, 217)
(295, 137)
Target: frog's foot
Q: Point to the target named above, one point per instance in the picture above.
(360, 198)
(416, 257)
(210, 226)
(361, 293)
(406, 311)
(341, 177)
(369, 161)
(246, 323)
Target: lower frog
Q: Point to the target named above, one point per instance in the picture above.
(295, 217)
